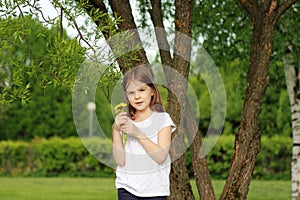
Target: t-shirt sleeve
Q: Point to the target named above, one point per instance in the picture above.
(168, 122)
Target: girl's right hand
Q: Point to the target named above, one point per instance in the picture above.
(120, 119)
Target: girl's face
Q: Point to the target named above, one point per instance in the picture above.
(139, 95)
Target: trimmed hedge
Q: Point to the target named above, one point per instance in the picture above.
(69, 157)
(51, 157)
(273, 161)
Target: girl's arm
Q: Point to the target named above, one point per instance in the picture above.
(158, 152)
(118, 146)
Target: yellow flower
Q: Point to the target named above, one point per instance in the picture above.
(121, 107)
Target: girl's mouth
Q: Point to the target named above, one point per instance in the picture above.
(139, 103)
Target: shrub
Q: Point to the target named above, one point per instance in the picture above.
(273, 160)
(49, 157)
(13, 157)
(70, 157)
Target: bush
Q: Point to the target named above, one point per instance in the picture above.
(273, 161)
(69, 157)
(49, 157)
(274, 158)
(14, 157)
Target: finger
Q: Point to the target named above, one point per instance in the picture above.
(122, 118)
(125, 128)
(124, 121)
(122, 114)
(124, 125)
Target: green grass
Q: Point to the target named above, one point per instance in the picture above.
(259, 190)
(57, 189)
(103, 189)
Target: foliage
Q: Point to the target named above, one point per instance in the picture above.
(55, 64)
(68, 157)
(225, 31)
(285, 35)
(44, 55)
(52, 108)
(38, 60)
(274, 157)
(267, 165)
(275, 101)
(32, 53)
(53, 157)
(49, 113)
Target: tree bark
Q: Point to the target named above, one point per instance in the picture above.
(180, 186)
(292, 77)
(201, 172)
(180, 182)
(131, 40)
(247, 140)
(122, 8)
(200, 168)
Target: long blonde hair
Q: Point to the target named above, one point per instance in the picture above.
(143, 75)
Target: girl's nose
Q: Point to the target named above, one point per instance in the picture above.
(136, 95)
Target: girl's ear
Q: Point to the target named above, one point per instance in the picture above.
(152, 92)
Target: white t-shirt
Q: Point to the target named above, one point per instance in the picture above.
(141, 175)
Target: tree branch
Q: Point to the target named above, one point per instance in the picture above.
(81, 37)
(282, 8)
(272, 7)
(125, 64)
(161, 36)
(61, 21)
(266, 5)
(103, 21)
(122, 9)
(42, 14)
(246, 5)
(80, 34)
(183, 34)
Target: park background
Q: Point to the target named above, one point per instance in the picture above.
(40, 144)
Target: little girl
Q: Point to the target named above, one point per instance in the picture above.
(144, 163)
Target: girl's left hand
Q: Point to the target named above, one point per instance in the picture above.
(130, 129)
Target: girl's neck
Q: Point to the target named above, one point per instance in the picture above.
(142, 115)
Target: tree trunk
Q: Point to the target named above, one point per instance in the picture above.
(201, 172)
(180, 182)
(180, 186)
(121, 9)
(200, 168)
(292, 77)
(247, 141)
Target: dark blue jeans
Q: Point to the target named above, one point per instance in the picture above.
(125, 195)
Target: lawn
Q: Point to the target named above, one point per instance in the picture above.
(103, 189)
